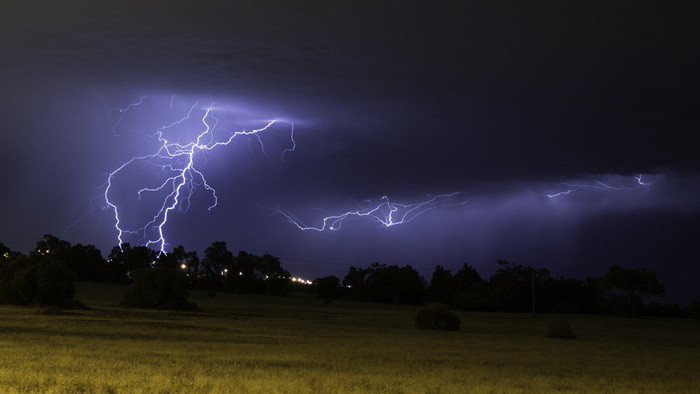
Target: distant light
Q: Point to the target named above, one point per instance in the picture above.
(240, 274)
(225, 269)
(183, 266)
(301, 280)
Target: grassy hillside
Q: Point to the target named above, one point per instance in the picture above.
(299, 344)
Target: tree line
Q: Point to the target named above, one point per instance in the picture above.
(49, 270)
(513, 288)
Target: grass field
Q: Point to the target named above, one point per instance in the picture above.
(299, 344)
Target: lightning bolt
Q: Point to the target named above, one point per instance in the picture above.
(388, 214)
(178, 161)
(385, 213)
(122, 111)
(598, 186)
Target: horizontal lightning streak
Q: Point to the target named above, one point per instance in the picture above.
(598, 186)
(385, 213)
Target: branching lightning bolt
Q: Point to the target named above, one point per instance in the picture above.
(178, 160)
(385, 213)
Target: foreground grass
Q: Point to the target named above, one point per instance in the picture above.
(299, 344)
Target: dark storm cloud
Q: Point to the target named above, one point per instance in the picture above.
(502, 99)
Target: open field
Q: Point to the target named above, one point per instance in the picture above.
(299, 344)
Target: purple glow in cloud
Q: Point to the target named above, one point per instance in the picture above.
(389, 214)
(599, 186)
(176, 160)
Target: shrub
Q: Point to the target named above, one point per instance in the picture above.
(437, 316)
(694, 310)
(161, 288)
(36, 280)
(561, 329)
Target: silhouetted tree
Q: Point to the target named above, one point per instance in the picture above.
(634, 283)
(565, 295)
(276, 278)
(408, 286)
(471, 292)
(354, 281)
(122, 261)
(160, 287)
(85, 261)
(245, 274)
(441, 287)
(5, 252)
(328, 288)
(36, 279)
(512, 285)
(217, 259)
(52, 245)
(382, 283)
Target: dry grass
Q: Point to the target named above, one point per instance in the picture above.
(300, 344)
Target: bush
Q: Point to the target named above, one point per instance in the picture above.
(161, 288)
(437, 316)
(36, 280)
(694, 310)
(561, 329)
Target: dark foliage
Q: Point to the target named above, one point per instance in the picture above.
(633, 283)
(125, 260)
(243, 274)
(161, 288)
(513, 288)
(382, 283)
(561, 329)
(471, 292)
(437, 316)
(328, 288)
(694, 310)
(664, 310)
(6, 253)
(36, 280)
(441, 287)
(512, 285)
(85, 261)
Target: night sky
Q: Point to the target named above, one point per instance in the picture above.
(501, 100)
